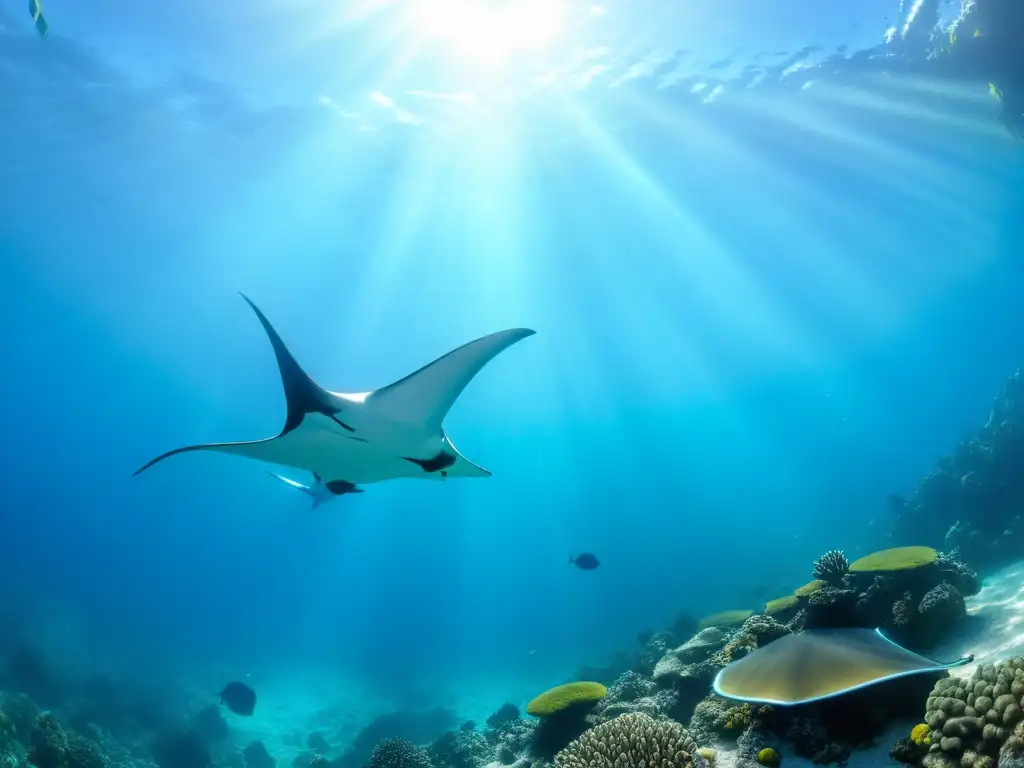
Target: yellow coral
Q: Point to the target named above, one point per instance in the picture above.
(725, 619)
(781, 604)
(562, 697)
(809, 588)
(896, 559)
(921, 734)
(708, 754)
(769, 758)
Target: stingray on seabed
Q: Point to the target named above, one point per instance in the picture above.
(347, 440)
(819, 664)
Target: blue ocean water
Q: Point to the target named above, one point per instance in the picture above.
(760, 308)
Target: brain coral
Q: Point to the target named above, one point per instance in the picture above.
(725, 619)
(896, 559)
(630, 740)
(972, 718)
(562, 697)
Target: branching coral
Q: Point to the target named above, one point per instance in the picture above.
(831, 567)
(399, 753)
(631, 740)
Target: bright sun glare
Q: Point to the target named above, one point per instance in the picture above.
(486, 34)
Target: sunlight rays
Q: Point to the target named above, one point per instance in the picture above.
(800, 211)
(904, 100)
(927, 187)
(702, 260)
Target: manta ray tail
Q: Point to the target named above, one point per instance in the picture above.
(302, 396)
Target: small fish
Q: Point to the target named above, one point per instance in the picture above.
(584, 561)
(239, 698)
(38, 19)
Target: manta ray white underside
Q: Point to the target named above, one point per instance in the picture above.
(356, 439)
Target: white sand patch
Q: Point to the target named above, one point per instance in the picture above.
(995, 627)
(292, 707)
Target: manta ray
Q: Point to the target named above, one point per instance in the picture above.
(320, 492)
(352, 439)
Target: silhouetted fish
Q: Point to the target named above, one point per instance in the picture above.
(239, 698)
(584, 561)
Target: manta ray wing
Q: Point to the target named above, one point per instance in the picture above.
(463, 467)
(425, 396)
(248, 448)
(307, 404)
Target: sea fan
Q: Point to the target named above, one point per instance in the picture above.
(831, 567)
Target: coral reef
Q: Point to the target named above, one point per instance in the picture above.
(562, 713)
(810, 588)
(972, 499)
(563, 697)
(831, 567)
(915, 594)
(398, 753)
(504, 714)
(256, 756)
(725, 619)
(783, 608)
(970, 722)
(716, 719)
(509, 736)
(414, 727)
(630, 740)
(462, 749)
(895, 559)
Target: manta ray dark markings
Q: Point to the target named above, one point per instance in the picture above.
(434, 464)
(347, 440)
(302, 395)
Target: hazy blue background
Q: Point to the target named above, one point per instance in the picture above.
(756, 317)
